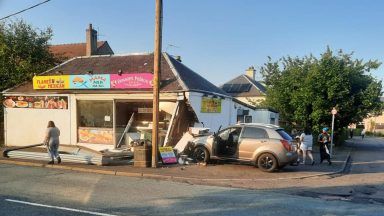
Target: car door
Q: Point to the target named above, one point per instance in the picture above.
(251, 139)
(226, 142)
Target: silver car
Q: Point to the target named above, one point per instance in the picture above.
(267, 146)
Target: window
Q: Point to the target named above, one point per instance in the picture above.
(248, 119)
(95, 113)
(254, 133)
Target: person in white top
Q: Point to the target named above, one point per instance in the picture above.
(306, 142)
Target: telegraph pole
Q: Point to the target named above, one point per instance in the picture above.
(156, 75)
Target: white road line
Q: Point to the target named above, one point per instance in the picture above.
(58, 207)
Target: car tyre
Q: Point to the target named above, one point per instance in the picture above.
(201, 154)
(267, 162)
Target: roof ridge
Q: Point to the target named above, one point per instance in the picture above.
(79, 43)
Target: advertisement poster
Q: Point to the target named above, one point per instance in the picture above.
(95, 135)
(97, 81)
(36, 102)
(210, 105)
(131, 81)
(167, 155)
(51, 82)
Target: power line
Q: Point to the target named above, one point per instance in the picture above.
(24, 10)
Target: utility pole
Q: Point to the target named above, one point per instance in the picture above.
(156, 75)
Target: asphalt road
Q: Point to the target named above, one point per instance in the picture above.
(42, 191)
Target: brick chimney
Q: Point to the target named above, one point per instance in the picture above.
(250, 72)
(91, 40)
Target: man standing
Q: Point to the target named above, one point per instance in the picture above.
(323, 140)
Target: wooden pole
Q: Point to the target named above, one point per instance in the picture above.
(156, 75)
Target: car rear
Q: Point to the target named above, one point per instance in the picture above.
(290, 150)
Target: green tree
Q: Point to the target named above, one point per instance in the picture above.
(23, 52)
(304, 90)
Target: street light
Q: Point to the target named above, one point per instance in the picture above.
(334, 112)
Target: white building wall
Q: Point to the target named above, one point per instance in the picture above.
(25, 126)
(213, 120)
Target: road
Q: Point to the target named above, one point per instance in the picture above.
(42, 191)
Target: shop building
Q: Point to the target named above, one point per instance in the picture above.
(101, 102)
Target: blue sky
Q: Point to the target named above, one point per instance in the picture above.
(218, 39)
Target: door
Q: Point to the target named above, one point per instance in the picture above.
(251, 139)
(226, 142)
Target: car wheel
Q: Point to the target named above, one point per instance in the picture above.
(201, 154)
(267, 162)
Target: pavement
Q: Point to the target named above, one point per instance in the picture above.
(217, 173)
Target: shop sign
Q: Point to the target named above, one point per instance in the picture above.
(97, 81)
(51, 82)
(210, 105)
(167, 155)
(95, 135)
(36, 102)
(131, 81)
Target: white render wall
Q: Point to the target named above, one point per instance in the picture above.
(213, 120)
(23, 126)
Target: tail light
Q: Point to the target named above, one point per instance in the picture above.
(286, 145)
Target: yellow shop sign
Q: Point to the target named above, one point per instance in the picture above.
(51, 82)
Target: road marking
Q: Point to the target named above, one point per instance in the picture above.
(58, 207)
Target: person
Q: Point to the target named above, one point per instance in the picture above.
(363, 133)
(324, 140)
(306, 140)
(351, 133)
(52, 142)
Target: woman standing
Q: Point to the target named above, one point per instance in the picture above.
(323, 140)
(52, 142)
(306, 140)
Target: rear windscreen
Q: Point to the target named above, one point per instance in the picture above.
(284, 134)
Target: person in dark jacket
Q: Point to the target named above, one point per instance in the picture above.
(323, 141)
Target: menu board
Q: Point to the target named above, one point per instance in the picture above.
(36, 102)
(167, 155)
(210, 105)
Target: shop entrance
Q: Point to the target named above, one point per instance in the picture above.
(133, 122)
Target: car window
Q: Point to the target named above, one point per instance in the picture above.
(284, 134)
(254, 133)
(224, 134)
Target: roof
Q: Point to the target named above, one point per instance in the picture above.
(244, 86)
(175, 76)
(79, 49)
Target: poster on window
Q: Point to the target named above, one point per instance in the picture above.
(36, 102)
(210, 105)
(96, 135)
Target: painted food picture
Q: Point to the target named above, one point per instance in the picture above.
(36, 102)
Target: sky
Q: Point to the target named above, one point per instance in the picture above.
(219, 39)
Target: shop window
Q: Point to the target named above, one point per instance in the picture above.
(248, 119)
(95, 114)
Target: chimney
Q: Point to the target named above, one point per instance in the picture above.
(91, 40)
(250, 72)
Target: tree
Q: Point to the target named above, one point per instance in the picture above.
(23, 52)
(304, 90)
